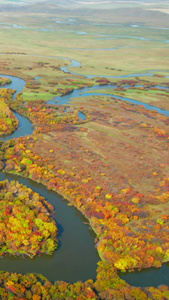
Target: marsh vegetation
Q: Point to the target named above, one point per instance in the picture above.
(112, 166)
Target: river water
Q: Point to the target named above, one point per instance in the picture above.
(76, 258)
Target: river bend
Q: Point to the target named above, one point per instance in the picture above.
(76, 257)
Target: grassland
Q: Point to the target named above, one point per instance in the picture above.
(159, 98)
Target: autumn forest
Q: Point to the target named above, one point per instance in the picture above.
(84, 161)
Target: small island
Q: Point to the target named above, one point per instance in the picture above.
(26, 225)
(8, 121)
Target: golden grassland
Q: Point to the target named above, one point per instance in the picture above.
(106, 57)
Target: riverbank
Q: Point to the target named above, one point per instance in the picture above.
(113, 166)
(86, 184)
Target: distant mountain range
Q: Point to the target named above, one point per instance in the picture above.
(114, 6)
(152, 12)
(78, 2)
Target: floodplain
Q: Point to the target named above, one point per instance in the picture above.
(106, 156)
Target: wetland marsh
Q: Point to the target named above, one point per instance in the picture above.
(112, 164)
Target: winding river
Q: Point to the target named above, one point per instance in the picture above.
(76, 258)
